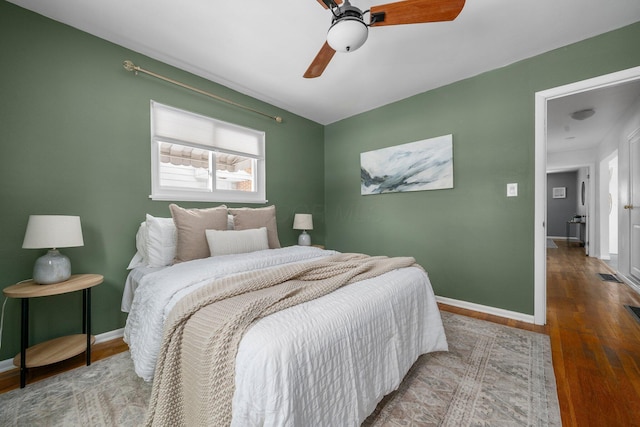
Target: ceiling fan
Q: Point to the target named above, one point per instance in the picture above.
(348, 30)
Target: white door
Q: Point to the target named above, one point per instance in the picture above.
(634, 205)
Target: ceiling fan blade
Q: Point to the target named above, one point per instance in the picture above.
(415, 12)
(320, 62)
(327, 3)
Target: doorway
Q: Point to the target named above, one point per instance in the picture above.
(541, 100)
(632, 206)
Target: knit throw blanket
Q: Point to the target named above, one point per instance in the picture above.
(195, 370)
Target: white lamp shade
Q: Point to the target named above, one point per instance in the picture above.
(347, 34)
(53, 231)
(303, 222)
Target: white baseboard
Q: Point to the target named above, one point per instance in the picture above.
(528, 318)
(629, 282)
(7, 365)
(572, 238)
(111, 335)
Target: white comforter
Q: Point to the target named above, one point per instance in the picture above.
(325, 362)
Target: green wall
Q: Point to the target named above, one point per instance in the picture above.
(476, 243)
(74, 132)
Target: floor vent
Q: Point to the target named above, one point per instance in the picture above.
(635, 311)
(609, 277)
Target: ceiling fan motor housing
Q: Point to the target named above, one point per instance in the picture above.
(348, 31)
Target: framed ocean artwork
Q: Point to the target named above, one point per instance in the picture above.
(415, 166)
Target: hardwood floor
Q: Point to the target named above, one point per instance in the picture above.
(10, 380)
(595, 342)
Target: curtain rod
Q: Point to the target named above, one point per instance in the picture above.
(130, 66)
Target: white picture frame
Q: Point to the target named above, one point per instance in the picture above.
(559, 192)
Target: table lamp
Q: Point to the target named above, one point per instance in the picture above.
(52, 232)
(303, 222)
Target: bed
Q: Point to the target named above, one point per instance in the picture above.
(327, 361)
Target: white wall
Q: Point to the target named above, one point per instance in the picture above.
(613, 205)
(584, 175)
(607, 223)
(617, 139)
(566, 160)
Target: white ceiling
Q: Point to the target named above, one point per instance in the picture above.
(261, 48)
(610, 104)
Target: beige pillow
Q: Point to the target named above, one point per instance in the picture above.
(246, 218)
(191, 225)
(226, 242)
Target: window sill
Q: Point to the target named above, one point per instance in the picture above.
(230, 199)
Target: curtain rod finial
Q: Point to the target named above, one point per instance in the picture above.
(278, 119)
(128, 65)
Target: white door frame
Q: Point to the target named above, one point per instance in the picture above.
(540, 176)
(632, 140)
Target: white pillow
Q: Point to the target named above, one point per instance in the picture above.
(140, 257)
(141, 242)
(137, 261)
(225, 242)
(162, 235)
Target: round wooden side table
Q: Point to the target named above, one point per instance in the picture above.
(61, 348)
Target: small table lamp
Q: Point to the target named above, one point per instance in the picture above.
(303, 222)
(52, 231)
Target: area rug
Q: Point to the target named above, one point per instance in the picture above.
(492, 375)
(551, 244)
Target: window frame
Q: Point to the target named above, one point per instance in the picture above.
(164, 193)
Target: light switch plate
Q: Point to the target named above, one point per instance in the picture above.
(512, 189)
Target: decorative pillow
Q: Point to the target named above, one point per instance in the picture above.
(141, 241)
(191, 224)
(247, 218)
(137, 261)
(225, 242)
(161, 237)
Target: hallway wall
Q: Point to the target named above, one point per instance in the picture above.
(561, 210)
(617, 139)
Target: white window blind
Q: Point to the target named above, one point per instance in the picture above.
(199, 158)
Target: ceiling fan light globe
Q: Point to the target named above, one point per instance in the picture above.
(347, 34)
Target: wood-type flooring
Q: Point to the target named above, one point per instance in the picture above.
(595, 341)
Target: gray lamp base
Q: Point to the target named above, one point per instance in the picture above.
(304, 239)
(51, 268)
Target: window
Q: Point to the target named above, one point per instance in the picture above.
(197, 158)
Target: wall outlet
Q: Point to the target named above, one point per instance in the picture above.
(512, 189)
